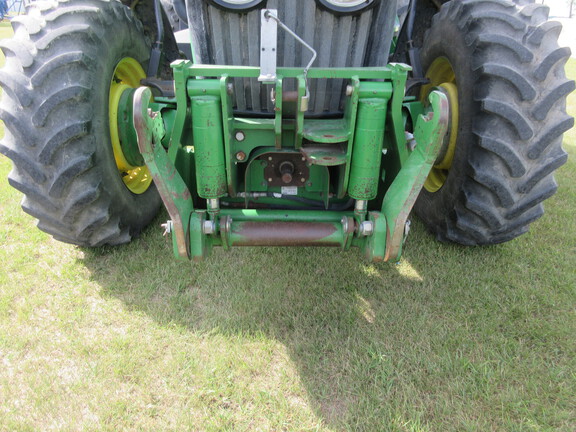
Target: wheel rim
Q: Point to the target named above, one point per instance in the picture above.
(442, 76)
(127, 74)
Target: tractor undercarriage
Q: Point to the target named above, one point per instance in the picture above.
(278, 181)
(289, 123)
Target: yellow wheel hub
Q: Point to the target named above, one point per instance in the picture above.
(127, 74)
(441, 75)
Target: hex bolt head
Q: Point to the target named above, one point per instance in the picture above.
(208, 227)
(240, 156)
(366, 228)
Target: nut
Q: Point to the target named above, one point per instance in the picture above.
(366, 228)
(208, 227)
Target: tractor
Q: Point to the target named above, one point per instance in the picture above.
(284, 123)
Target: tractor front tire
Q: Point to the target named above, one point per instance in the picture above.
(504, 71)
(60, 68)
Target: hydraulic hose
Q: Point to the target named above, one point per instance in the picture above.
(157, 47)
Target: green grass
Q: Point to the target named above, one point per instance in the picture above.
(449, 339)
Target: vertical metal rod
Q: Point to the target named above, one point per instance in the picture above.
(213, 206)
(361, 208)
(269, 13)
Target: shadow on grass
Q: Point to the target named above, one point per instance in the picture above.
(373, 344)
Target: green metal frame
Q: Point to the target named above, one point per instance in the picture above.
(196, 149)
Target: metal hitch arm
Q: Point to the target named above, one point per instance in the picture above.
(429, 132)
(171, 187)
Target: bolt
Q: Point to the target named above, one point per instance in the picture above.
(349, 90)
(344, 222)
(240, 156)
(239, 136)
(302, 179)
(366, 228)
(269, 158)
(230, 89)
(406, 228)
(269, 179)
(167, 227)
(410, 141)
(208, 227)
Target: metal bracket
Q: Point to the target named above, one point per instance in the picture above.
(268, 42)
(267, 45)
(172, 189)
(429, 133)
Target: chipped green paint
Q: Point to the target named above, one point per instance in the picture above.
(214, 154)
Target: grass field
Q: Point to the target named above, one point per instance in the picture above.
(449, 339)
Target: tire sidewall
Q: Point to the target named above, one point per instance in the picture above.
(134, 210)
(450, 42)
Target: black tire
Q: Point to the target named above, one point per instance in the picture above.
(511, 98)
(175, 12)
(56, 83)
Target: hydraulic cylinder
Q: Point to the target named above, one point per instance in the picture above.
(367, 152)
(208, 146)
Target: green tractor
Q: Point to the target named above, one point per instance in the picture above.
(287, 123)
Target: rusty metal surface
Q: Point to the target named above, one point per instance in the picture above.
(286, 234)
(429, 132)
(327, 131)
(325, 155)
(290, 96)
(148, 127)
(274, 177)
